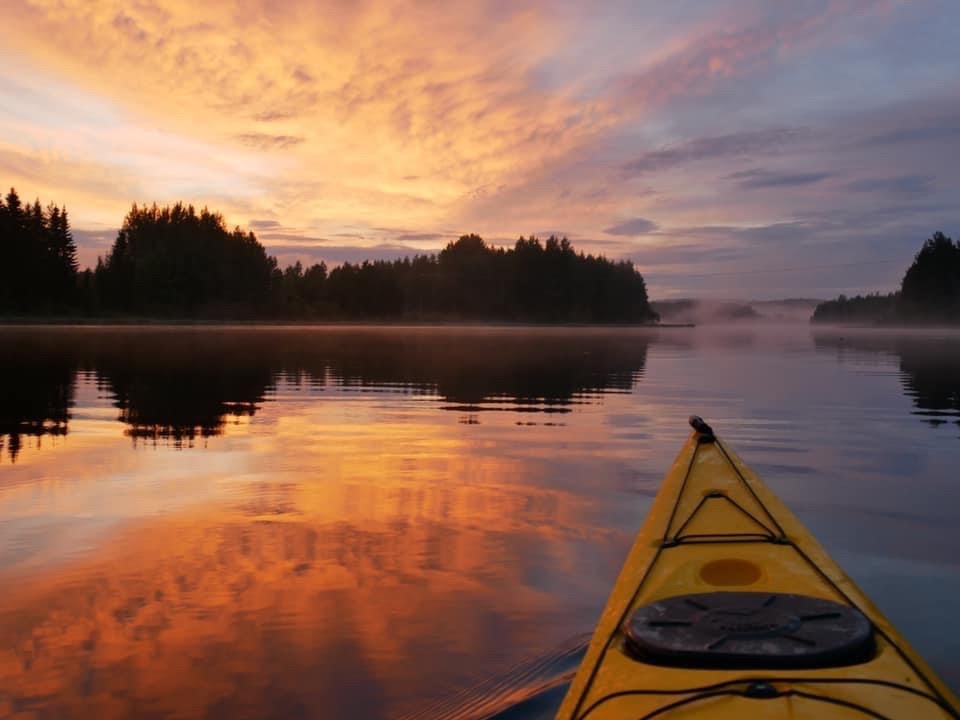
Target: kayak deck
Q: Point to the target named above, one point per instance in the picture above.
(717, 540)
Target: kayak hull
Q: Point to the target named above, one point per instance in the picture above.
(715, 528)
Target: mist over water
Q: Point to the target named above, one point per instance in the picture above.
(376, 522)
(718, 311)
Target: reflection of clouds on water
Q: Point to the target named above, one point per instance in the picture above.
(305, 598)
(359, 538)
(214, 611)
(406, 511)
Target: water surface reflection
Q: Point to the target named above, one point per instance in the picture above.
(37, 381)
(335, 546)
(928, 362)
(178, 384)
(351, 522)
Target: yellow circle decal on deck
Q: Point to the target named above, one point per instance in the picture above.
(730, 571)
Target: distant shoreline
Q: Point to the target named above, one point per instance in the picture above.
(188, 322)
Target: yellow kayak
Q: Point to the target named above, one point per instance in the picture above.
(728, 608)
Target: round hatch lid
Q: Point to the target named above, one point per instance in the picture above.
(749, 630)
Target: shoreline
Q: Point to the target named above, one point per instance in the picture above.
(190, 322)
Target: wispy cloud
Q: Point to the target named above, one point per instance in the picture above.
(746, 235)
(421, 237)
(700, 60)
(272, 238)
(636, 226)
(901, 185)
(263, 224)
(947, 131)
(731, 145)
(265, 141)
(754, 179)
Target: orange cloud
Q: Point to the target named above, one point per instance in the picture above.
(366, 94)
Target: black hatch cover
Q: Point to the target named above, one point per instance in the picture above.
(749, 630)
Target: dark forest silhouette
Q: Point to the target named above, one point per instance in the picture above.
(929, 292)
(859, 309)
(38, 258)
(176, 262)
(179, 386)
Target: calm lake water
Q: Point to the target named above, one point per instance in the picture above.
(363, 522)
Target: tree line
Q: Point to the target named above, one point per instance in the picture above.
(38, 258)
(177, 262)
(929, 292)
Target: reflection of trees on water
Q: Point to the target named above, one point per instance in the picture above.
(475, 367)
(929, 368)
(36, 393)
(177, 387)
(933, 381)
(167, 387)
(181, 403)
(179, 384)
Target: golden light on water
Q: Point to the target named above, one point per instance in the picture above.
(339, 543)
(370, 503)
(360, 520)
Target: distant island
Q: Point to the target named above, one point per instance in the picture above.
(928, 294)
(715, 311)
(174, 262)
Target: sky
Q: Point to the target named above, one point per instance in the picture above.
(730, 148)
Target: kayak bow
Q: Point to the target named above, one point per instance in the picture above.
(727, 607)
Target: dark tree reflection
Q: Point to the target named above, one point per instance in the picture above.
(929, 373)
(181, 403)
(176, 385)
(932, 379)
(36, 392)
(474, 366)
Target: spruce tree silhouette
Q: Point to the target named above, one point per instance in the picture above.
(38, 274)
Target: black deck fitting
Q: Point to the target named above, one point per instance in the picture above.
(700, 425)
(761, 690)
